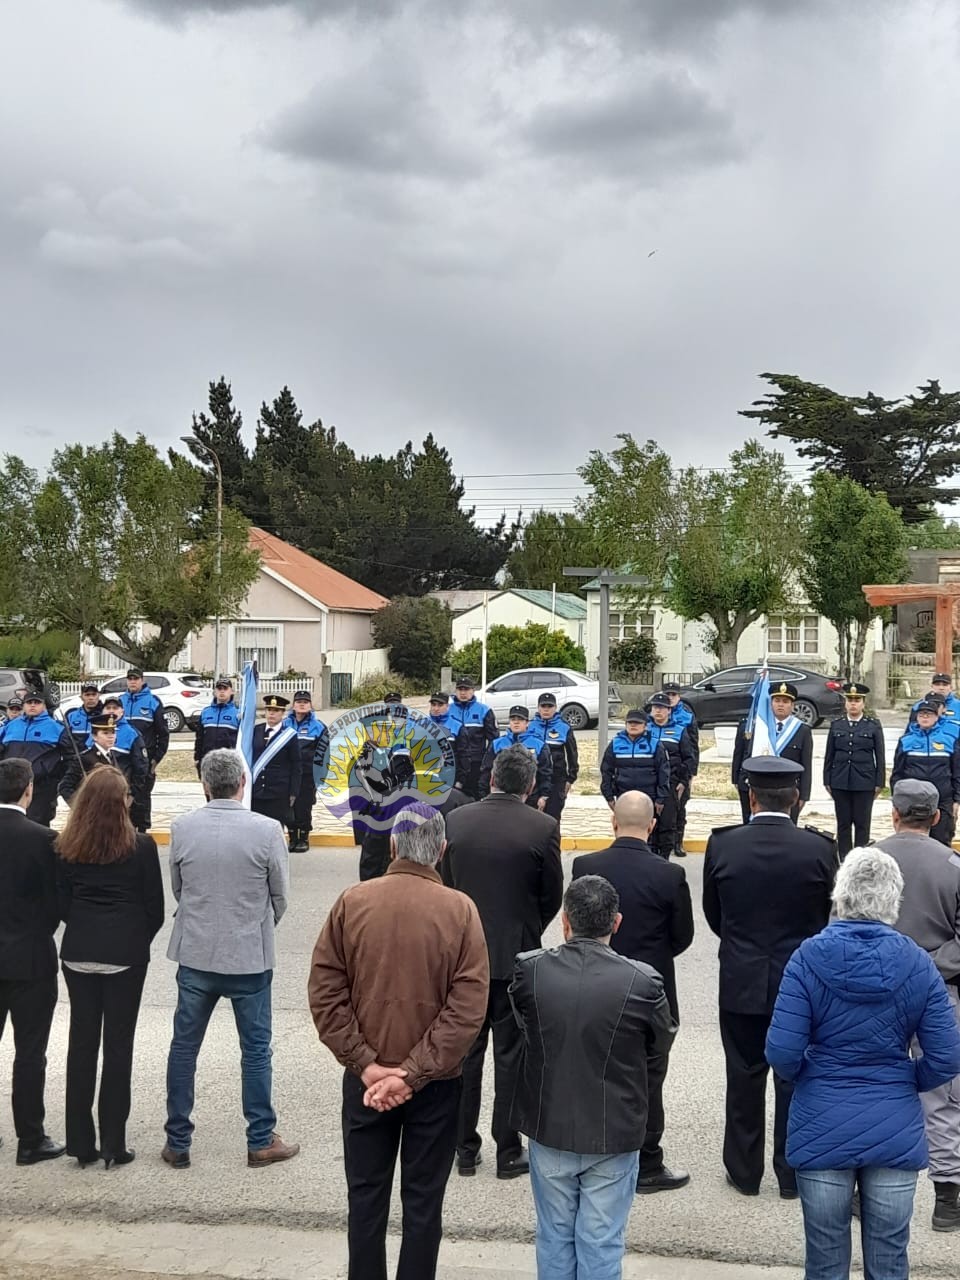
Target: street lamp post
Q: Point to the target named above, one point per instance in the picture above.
(198, 444)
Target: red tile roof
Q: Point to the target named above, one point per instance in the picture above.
(318, 580)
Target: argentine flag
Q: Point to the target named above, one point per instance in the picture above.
(760, 731)
(248, 718)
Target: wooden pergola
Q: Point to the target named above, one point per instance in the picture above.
(945, 594)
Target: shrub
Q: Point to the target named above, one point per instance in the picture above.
(415, 631)
(38, 649)
(374, 687)
(510, 648)
(635, 656)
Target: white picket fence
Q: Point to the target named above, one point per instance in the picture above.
(71, 688)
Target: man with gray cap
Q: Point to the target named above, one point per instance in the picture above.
(930, 915)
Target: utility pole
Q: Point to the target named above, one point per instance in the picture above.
(606, 578)
(198, 444)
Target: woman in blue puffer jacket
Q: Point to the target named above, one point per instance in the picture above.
(852, 1000)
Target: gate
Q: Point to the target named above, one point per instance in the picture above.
(341, 686)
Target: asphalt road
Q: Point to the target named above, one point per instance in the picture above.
(706, 1220)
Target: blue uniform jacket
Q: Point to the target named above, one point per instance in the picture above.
(314, 739)
(557, 736)
(475, 727)
(675, 740)
(78, 722)
(682, 715)
(144, 710)
(931, 755)
(534, 745)
(635, 764)
(851, 1000)
(42, 741)
(218, 728)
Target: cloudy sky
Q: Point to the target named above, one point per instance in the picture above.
(438, 215)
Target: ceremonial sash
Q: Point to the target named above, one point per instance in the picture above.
(277, 743)
(786, 734)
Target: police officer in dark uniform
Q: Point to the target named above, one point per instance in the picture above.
(930, 751)
(276, 783)
(80, 720)
(144, 712)
(682, 715)
(675, 740)
(766, 887)
(854, 768)
(314, 740)
(219, 724)
(520, 733)
(475, 728)
(45, 743)
(791, 740)
(131, 763)
(128, 742)
(633, 761)
(561, 742)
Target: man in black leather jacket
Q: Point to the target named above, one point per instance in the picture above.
(589, 1019)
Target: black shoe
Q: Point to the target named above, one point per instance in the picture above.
(514, 1168)
(122, 1157)
(680, 852)
(302, 845)
(789, 1193)
(744, 1191)
(175, 1159)
(88, 1157)
(663, 1180)
(45, 1150)
(946, 1209)
(467, 1164)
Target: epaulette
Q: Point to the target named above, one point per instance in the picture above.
(824, 835)
(718, 831)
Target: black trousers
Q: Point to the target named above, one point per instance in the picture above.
(665, 832)
(471, 780)
(743, 1036)
(556, 800)
(277, 809)
(651, 1153)
(854, 810)
(303, 806)
(103, 1006)
(682, 815)
(44, 803)
(424, 1131)
(30, 1004)
(374, 853)
(507, 1049)
(141, 810)
(946, 828)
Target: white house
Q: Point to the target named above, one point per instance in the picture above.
(298, 615)
(560, 611)
(800, 636)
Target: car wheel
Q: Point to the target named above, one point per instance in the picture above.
(174, 719)
(575, 716)
(806, 712)
(53, 695)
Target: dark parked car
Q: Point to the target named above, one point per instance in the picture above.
(20, 681)
(724, 697)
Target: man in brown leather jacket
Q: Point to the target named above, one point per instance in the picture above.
(402, 1030)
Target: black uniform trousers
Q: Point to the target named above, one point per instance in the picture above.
(277, 809)
(141, 810)
(651, 1153)
(424, 1131)
(43, 806)
(303, 804)
(682, 816)
(30, 1004)
(471, 779)
(507, 1050)
(665, 832)
(946, 828)
(374, 853)
(556, 800)
(102, 1006)
(854, 810)
(743, 1036)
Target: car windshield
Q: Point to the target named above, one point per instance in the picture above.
(192, 682)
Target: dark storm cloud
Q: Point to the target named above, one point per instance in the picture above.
(637, 130)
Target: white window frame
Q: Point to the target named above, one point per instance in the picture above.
(793, 635)
(237, 633)
(641, 622)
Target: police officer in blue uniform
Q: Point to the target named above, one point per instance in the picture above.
(80, 720)
(682, 715)
(45, 743)
(439, 713)
(854, 768)
(144, 711)
(132, 763)
(219, 724)
(930, 751)
(521, 733)
(941, 684)
(129, 743)
(314, 740)
(633, 761)
(276, 784)
(14, 709)
(561, 741)
(476, 728)
(675, 739)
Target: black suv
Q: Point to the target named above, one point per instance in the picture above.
(724, 697)
(33, 680)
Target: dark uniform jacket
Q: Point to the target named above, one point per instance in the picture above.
(218, 728)
(855, 756)
(535, 746)
(78, 721)
(561, 742)
(682, 715)
(314, 739)
(799, 749)
(132, 764)
(144, 711)
(590, 1019)
(506, 857)
(42, 741)
(766, 887)
(675, 740)
(280, 779)
(932, 755)
(28, 899)
(655, 902)
(474, 727)
(635, 764)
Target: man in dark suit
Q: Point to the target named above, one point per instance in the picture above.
(657, 926)
(504, 855)
(28, 956)
(766, 887)
(791, 740)
(276, 765)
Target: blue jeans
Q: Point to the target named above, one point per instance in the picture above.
(582, 1205)
(198, 993)
(886, 1207)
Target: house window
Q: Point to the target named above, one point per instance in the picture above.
(793, 635)
(624, 626)
(262, 641)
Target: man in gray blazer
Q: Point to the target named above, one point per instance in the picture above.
(228, 870)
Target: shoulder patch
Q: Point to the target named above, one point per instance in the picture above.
(735, 826)
(824, 835)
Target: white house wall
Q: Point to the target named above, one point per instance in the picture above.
(510, 610)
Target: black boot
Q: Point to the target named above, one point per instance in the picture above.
(303, 841)
(946, 1210)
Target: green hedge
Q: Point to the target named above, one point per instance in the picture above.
(39, 649)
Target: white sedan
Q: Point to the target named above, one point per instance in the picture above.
(578, 697)
(183, 695)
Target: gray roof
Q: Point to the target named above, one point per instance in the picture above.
(567, 604)
(459, 601)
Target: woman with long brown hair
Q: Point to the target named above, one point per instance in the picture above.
(111, 898)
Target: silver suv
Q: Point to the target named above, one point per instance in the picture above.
(26, 680)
